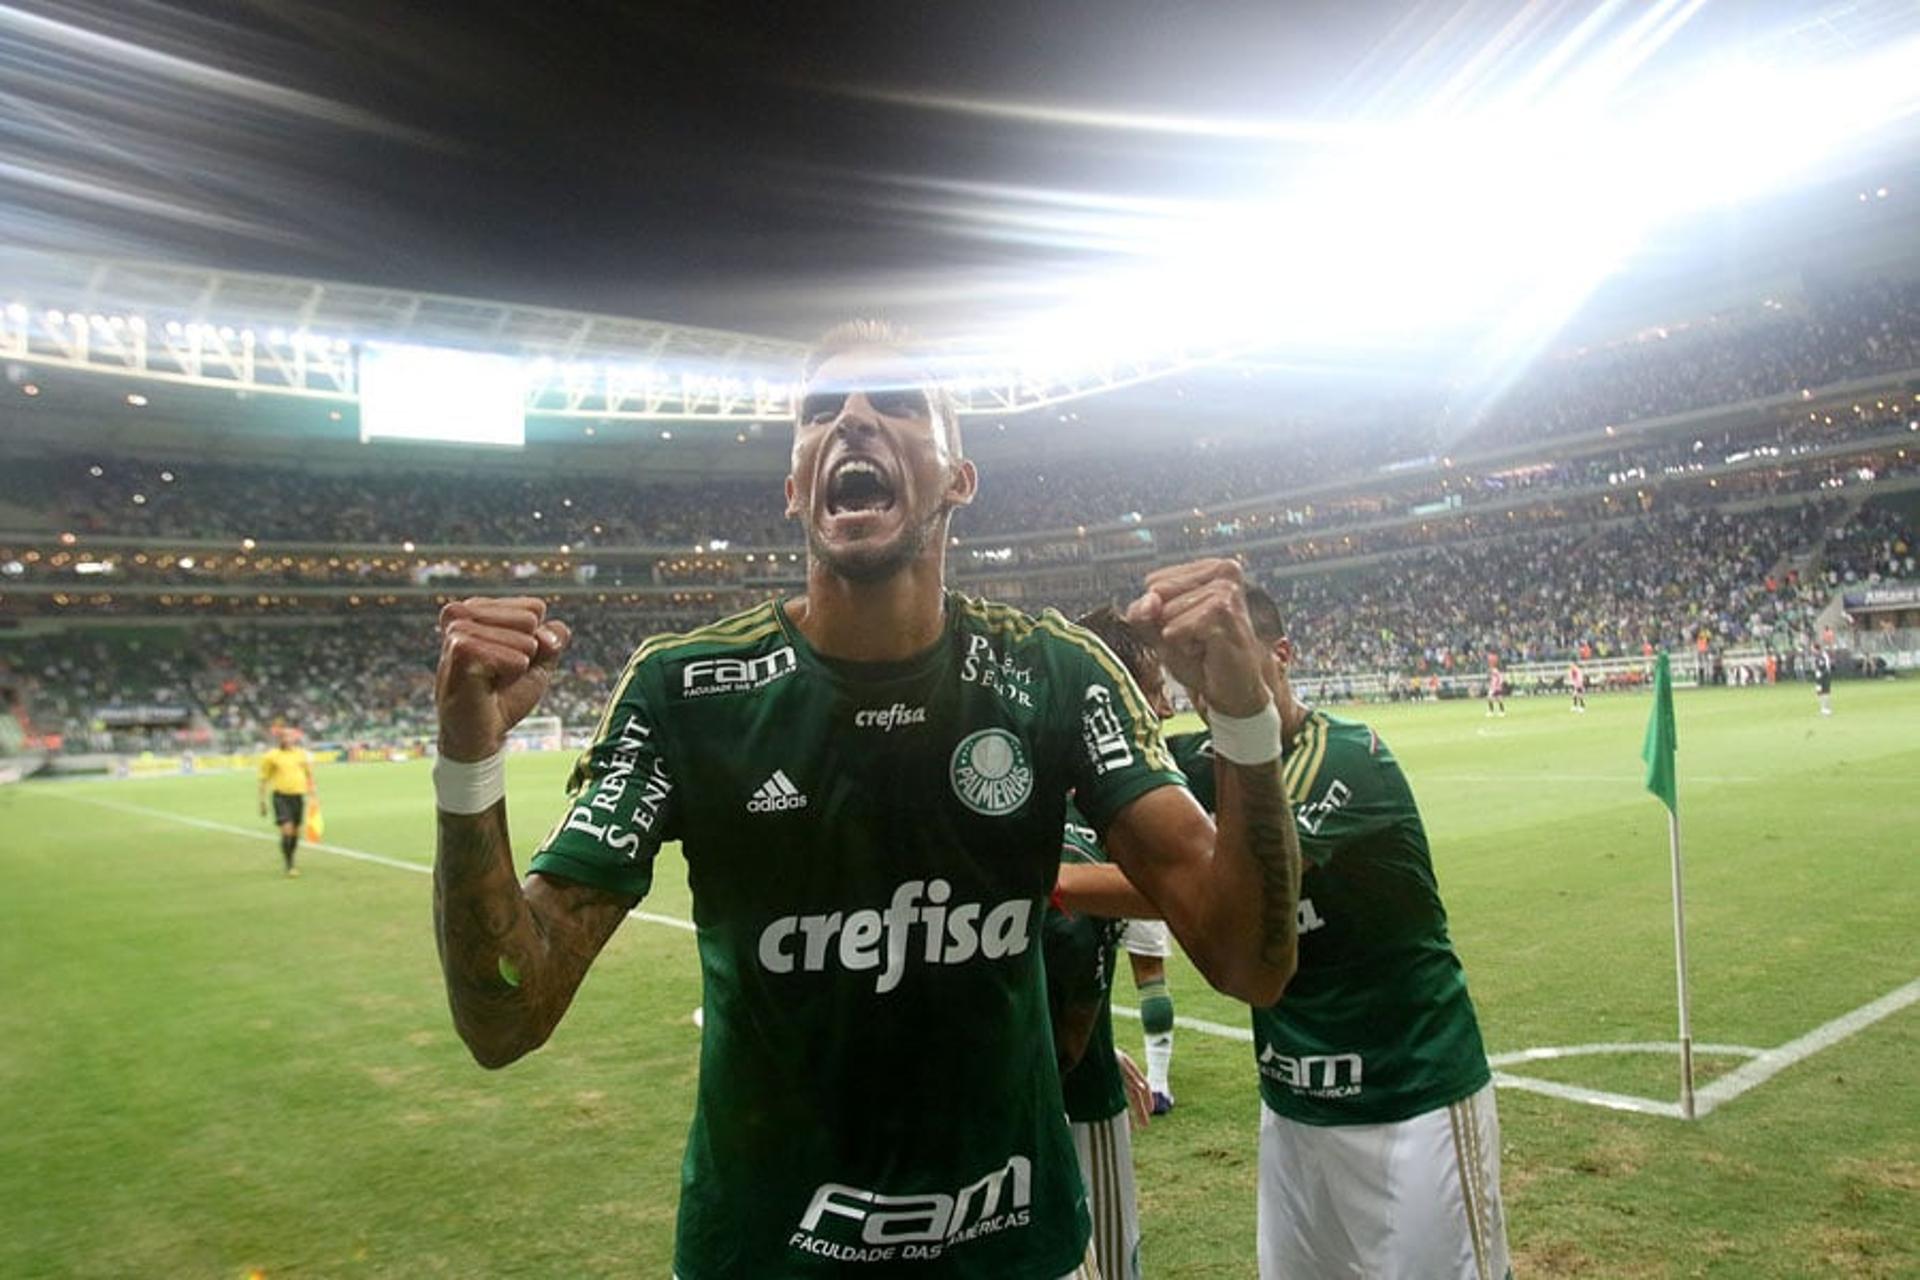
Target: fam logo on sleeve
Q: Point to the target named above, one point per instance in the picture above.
(1104, 732)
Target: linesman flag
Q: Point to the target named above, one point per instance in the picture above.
(1659, 747)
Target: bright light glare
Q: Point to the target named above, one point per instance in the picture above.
(1496, 219)
(430, 393)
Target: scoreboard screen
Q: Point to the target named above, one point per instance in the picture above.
(436, 393)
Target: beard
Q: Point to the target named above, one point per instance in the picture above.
(876, 563)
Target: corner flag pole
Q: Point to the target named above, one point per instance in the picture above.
(1680, 968)
(1658, 752)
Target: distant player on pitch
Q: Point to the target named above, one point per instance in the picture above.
(869, 784)
(286, 770)
(1379, 1142)
(1577, 685)
(1496, 688)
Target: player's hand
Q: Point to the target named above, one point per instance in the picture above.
(497, 657)
(1139, 1092)
(1195, 616)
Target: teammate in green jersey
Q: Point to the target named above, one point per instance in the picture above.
(1379, 1141)
(1080, 951)
(868, 783)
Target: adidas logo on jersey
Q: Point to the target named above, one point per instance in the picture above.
(776, 795)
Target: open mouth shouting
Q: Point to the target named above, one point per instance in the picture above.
(859, 492)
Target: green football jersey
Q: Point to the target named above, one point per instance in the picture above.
(1080, 950)
(870, 847)
(1376, 1025)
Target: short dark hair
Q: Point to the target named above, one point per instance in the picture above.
(868, 334)
(1134, 653)
(1268, 625)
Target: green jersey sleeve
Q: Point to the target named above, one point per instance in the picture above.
(1193, 752)
(620, 799)
(1119, 754)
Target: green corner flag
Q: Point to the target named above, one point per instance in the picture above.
(1658, 749)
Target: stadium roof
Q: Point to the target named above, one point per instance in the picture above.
(765, 169)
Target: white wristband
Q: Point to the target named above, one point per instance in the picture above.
(1253, 739)
(475, 786)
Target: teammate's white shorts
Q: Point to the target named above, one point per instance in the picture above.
(1146, 938)
(1415, 1200)
(1105, 1148)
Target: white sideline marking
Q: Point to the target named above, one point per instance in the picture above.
(1221, 1029)
(1535, 778)
(1827, 1034)
(338, 850)
(1762, 1065)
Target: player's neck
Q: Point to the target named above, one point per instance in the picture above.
(1293, 714)
(885, 621)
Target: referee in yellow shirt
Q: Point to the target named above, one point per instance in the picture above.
(288, 770)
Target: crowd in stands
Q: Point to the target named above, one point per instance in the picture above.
(1660, 581)
(1879, 544)
(1869, 329)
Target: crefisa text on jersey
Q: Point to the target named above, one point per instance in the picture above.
(887, 719)
(598, 815)
(981, 667)
(870, 939)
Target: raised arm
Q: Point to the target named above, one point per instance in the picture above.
(1230, 893)
(513, 954)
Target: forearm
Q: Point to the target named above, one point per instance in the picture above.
(1256, 880)
(492, 949)
(1103, 890)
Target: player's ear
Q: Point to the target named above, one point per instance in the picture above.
(1283, 652)
(793, 507)
(962, 483)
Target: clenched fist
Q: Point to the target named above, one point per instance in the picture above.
(1195, 615)
(497, 657)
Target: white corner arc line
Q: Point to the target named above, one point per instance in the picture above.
(338, 850)
(1515, 1057)
(1592, 1097)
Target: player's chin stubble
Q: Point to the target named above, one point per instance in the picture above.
(875, 563)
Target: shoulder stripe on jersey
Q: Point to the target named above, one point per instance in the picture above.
(1151, 745)
(1311, 752)
(742, 628)
(1305, 768)
(1000, 617)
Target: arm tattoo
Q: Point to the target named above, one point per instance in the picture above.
(513, 957)
(1274, 845)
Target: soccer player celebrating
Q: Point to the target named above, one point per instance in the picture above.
(869, 785)
(1577, 685)
(1379, 1142)
(287, 770)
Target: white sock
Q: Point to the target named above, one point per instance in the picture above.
(1159, 1061)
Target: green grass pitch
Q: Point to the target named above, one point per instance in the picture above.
(206, 1069)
